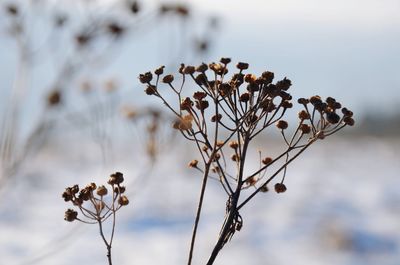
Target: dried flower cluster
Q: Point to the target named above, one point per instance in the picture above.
(223, 117)
(92, 204)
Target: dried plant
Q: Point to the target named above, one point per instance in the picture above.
(224, 117)
(93, 206)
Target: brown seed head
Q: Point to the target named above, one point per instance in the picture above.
(266, 160)
(146, 77)
(189, 70)
(244, 97)
(303, 101)
(54, 98)
(168, 79)
(193, 163)
(242, 66)
(282, 124)
(303, 115)
(217, 117)
(280, 187)
(101, 190)
(283, 84)
(268, 77)
(159, 70)
(233, 144)
(348, 121)
(305, 128)
(123, 200)
(150, 90)
(202, 68)
(332, 117)
(225, 60)
(70, 215)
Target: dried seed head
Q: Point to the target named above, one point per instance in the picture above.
(282, 124)
(225, 60)
(348, 121)
(283, 84)
(202, 104)
(189, 70)
(116, 178)
(235, 157)
(199, 95)
(186, 104)
(146, 77)
(75, 189)
(123, 200)
(101, 190)
(216, 118)
(67, 195)
(303, 101)
(266, 160)
(202, 68)
(220, 143)
(134, 7)
(244, 97)
(168, 79)
(54, 98)
(268, 77)
(115, 29)
(150, 90)
(315, 100)
(242, 66)
(250, 78)
(204, 148)
(347, 113)
(305, 128)
(70, 215)
(332, 117)
(159, 70)
(280, 187)
(303, 115)
(119, 189)
(251, 181)
(193, 163)
(184, 123)
(233, 144)
(201, 79)
(287, 104)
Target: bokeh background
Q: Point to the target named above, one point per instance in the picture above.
(72, 111)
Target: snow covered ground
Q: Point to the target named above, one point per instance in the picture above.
(342, 207)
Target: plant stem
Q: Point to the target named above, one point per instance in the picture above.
(105, 242)
(198, 213)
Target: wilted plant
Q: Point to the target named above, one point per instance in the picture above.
(226, 115)
(95, 209)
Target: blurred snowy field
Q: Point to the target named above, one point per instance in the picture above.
(342, 207)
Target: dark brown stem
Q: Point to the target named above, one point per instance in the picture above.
(198, 213)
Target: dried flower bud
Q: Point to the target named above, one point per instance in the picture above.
(225, 60)
(282, 124)
(303, 115)
(159, 70)
(199, 95)
(303, 101)
(235, 157)
(280, 188)
(150, 90)
(202, 105)
(119, 189)
(70, 215)
(123, 200)
(332, 117)
(193, 163)
(242, 66)
(54, 98)
(284, 84)
(217, 117)
(184, 123)
(347, 113)
(266, 160)
(244, 97)
(305, 128)
(202, 68)
(146, 77)
(168, 79)
(287, 104)
(186, 104)
(75, 189)
(250, 78)
(268, 77)
(189, 70)
(201, 79)
(233, 144)
(134, 7)
(116, 178)
(315, 100)
(101, 190)
(67, 195)
(251, 181)
(220, 144)
(348, 121)
(204, 148)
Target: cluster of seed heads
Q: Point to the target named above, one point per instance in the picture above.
(91, 200)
